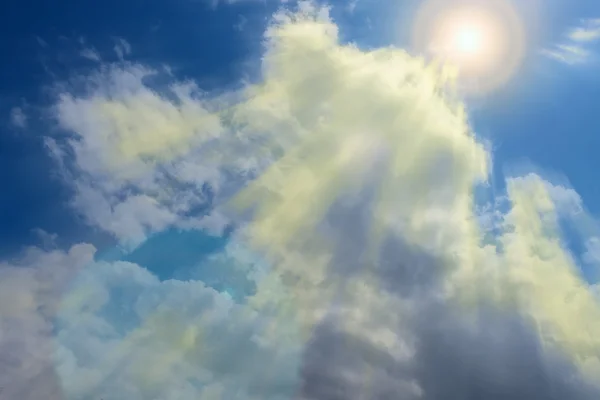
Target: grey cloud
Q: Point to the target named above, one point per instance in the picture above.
(480, 353)
(342, 366)
(493, 357)
(30, 290)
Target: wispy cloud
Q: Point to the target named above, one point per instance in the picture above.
(90, 54)
(241, 24)
(587, 32)
(18, 118)
(41, 42)
(575, 49)
(88, 51)
(351, 7)
(569, 54)
(122, 48)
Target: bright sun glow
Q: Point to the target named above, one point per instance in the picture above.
(469, 40)
(466, 38)
(483, 40)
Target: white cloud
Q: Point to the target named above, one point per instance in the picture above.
(423, 189)
(587, 32)
(134, 149)
(550, 288)
(568, 53)
(576, 47)
(172, 339)
(66, 331)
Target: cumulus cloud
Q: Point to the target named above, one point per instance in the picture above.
(30, 292)
(128, 176)
(374, 272)
(170, 339)
(71, 327)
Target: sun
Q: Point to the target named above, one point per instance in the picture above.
(483, 40)
(468, 40)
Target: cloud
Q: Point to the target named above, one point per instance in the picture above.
(41, 42)
(526, 332)
(494, 356)
(46, 239)
(587, 32)
(71, 328)
(568, 54)
(30, 290)
(90, 54)
(170, 339)
(135, 151)
(352, 6)
(18, 118)
(550, 289)
(418, 192)
(351, 175)
(122, 48)
(241, 24)
(576, 47)
(415, 193)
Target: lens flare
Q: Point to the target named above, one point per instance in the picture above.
(484, 41)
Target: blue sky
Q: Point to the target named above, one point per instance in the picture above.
(177, 193)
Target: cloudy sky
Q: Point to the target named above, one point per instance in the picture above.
(276, 200)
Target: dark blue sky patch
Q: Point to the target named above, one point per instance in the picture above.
(34, 197)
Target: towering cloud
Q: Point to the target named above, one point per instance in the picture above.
(350, 177)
